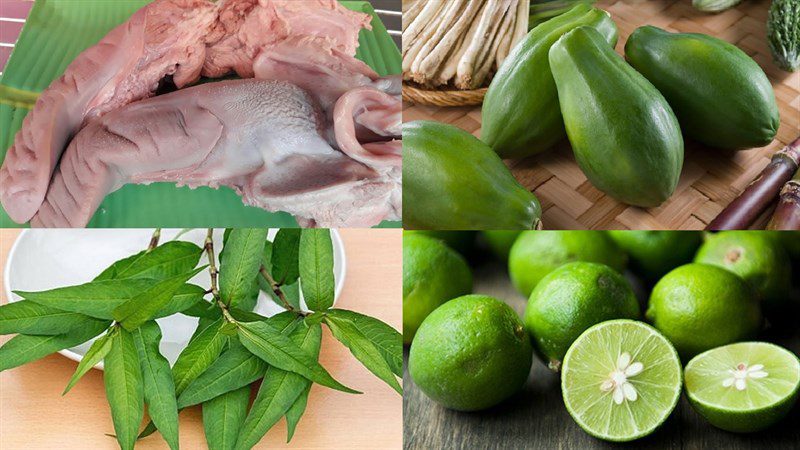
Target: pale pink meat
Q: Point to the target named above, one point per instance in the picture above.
(182, 38)
(265, 139)
(124, 66)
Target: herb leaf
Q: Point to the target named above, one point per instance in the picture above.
(235, 368)
(279, 391)
(239, 265)
(27, 317)
(266, 342)
(165, 261)
(223, 418)
(145, 305)
(188, 298)
(294, 413)
(25, 348)
(97, 299)
(285, 251)
(388, 340)
(159, 388)
(364, 350)
(94, 355)
(124, 388)
(204, 347)
(316, 268)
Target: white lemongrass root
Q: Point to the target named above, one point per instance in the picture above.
(449, 17)
(459, 43)
(521, 27)
(425, 33)
(411, 9)
(437, 58)
(506, 34)
(481, 43)
(451, 65)
(412, 33)
(489, 59)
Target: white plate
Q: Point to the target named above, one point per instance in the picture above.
(45, 259)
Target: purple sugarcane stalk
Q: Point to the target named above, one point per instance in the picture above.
(743, 211)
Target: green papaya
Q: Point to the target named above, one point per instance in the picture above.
(453, 181)
(625, 137)
(720, 95)
(520, 115)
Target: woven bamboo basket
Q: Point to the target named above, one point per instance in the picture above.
(444, 98)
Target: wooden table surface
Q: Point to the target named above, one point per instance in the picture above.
(34, 415)
(710, 178)
(536, 417)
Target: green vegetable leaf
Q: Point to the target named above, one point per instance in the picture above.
(294, 413)
(27, 317)
(285, 251)
(223, 418)
(97, 298)
(202, 308)
(235, 368)
(314, 318)
(388, 340)
(316, 268)
(363, 349)
(279, 391)
(165, 261)
(246, 316)
(239, 265)
(124, 387)
(203, 349)
(187, 300)
(159, 388)
(24, 348)
(266, 342)
(93, 356)
(145, 305)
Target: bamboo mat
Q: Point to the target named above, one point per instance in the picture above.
(710, 178)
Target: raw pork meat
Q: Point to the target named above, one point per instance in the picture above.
(183, 39)
(265, 139)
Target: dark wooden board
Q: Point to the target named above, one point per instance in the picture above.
(536, 418)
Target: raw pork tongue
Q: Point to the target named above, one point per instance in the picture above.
(126, 65)
(262, 138)
(182, 38)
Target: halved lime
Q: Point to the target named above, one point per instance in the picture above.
(743, 387)
(621, 379)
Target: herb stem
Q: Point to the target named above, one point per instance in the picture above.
(275, 288)
(212, 265)
(212, 270)
(154, 240)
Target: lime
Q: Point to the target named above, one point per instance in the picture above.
(621, 380)
(699, 307)
(433, 273)
(461, 241)
(569, 300)
(743, 387)
(757, 258)
(471, 353)
(654, 253)
(537, 253)
(789, 240)
(500, 241)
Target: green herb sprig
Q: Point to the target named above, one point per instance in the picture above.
(232, 346)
